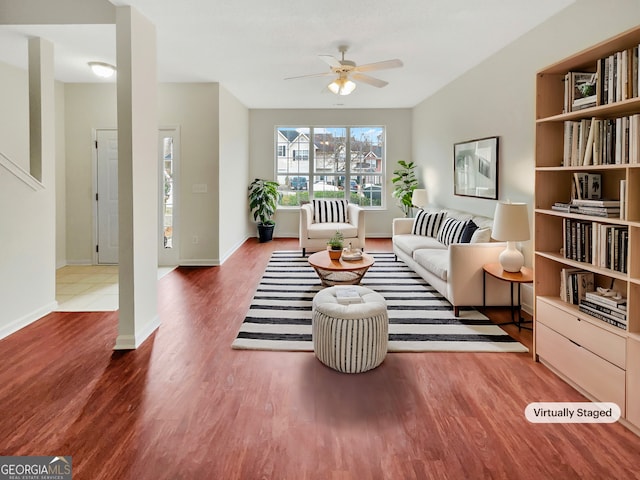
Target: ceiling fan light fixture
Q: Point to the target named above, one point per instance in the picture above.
(342, 86)
(102, 70)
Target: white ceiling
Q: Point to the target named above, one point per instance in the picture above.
(250, 46)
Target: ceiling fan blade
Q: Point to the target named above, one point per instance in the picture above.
(376, 82)
(369, 67)
(331, 60)
(325, 74)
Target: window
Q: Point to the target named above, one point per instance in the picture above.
(331, 162)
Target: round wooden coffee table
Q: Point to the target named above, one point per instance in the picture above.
(339, 272)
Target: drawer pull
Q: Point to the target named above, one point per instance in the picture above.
(576, 344)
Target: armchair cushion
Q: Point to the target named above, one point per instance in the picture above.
(330, 211)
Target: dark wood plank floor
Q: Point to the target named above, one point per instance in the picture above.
(187, 406)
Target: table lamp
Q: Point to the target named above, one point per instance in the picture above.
(511, 225)
(419, 198)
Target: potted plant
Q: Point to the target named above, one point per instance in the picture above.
(336, 244)
(263, 201)
(405, 183)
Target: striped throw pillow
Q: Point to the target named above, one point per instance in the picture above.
(427, 223)
(330, 211)
(451, 231)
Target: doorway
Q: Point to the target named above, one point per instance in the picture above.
(106, 196)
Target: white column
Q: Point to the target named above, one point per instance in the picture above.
(137, 177)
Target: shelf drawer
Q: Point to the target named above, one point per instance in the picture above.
(603, 343)
(602, 379)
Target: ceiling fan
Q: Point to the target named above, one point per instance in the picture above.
(347, 72)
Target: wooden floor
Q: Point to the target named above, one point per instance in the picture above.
(187, 406)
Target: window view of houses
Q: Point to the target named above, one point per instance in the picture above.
(331, 162)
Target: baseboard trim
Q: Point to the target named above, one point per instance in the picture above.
(28, 319)
(233, 249)
(131, 342)
(204, 262)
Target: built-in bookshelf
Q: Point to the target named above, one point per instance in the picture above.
(587, 222)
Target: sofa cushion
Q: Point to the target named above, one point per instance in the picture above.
(467, 232)
(434, 260)
(326, 230)
(330, 211)
(451, 231)
(408, 243)
(427, 223)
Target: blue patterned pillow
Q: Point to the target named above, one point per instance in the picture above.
(451, 231)
(427, 224)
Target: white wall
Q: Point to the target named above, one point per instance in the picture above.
(262, 150)
(87, 107)
(192, 107)
(27, 219)
(61, 182)
(498, 98)
(234, 169)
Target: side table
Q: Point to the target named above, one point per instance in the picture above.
(525, 275)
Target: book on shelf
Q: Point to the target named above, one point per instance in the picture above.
(600, 316)
(617, 76)
(591, 202)
(599, 244)
(623, 199)
(615, 313)
(597, 141)
(607, 301)
(574, 284)
(580, 90)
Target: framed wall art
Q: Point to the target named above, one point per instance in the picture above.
(475, 168)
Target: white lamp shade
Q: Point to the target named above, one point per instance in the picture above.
(419, 198)
(342, 86)
(511, 222)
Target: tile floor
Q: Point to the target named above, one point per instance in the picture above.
(90, 288)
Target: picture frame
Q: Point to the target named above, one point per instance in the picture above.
(475, 168)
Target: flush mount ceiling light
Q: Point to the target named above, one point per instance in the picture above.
(102, 70)
(342, 86)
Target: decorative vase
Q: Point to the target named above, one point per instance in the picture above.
(335, 254)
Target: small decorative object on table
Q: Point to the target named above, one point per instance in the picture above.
(336, 243)
(350, 254)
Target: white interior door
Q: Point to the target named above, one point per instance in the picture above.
(107, 196)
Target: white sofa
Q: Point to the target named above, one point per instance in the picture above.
(455, 270)
(314, 235)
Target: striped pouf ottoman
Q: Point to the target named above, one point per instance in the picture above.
(350, 338)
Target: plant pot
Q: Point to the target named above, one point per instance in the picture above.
(335, 254)
(265, 232)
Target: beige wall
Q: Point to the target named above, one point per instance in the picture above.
(193, 108)
(234, 170)
(27, 219)
(262, 150)
(498, 98)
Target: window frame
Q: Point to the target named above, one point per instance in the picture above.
(343, 179)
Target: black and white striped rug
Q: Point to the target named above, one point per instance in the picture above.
(420, 319)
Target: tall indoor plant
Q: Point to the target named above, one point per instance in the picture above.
(263, 201)
(404, 183)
